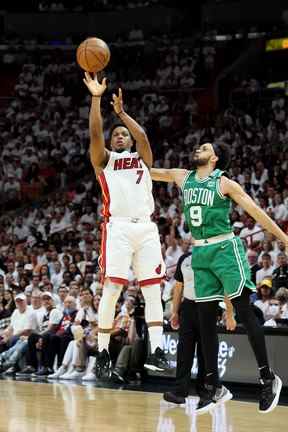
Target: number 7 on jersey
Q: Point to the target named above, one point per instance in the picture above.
(140, 175)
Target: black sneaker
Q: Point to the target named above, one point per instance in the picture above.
(42, 372)
(157, 361)
(11, 371)
(103, 365)
(174, 398)
(118, 377)
(207, 400)
(28, 370)
(269, 394)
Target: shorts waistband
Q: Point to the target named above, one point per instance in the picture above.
(143, 219)
(213, 240)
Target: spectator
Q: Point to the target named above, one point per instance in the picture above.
(252, 232)
(264, 303)
(280, 274)
(266, 270)
(38, 341)
(16, 335)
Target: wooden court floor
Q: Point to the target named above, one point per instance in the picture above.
(60, 407)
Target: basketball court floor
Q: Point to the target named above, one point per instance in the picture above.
(65, 407)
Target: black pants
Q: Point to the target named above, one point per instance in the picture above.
(207, 317)
(56, 345)
(189, 337)
(33, 354)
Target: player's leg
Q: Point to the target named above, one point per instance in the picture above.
(208, 291)
(233, 269)
(116, 254)
(188, 337)
(271, 384)
(149, 269)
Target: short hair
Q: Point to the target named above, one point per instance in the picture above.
(223, 152)
(266, 255)
(115, 126)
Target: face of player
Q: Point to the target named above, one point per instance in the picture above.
(121, 139)
(203, 155)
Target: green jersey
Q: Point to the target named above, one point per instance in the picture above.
(206, 209)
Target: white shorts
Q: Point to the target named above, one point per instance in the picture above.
(126, 243)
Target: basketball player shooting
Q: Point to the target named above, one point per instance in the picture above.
(219, 261)
(129, 237)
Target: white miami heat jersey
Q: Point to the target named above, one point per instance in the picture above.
(126, 186)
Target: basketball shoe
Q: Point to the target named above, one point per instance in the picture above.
(269, 394)
(103, 365)
(211, 397)
(157, 361)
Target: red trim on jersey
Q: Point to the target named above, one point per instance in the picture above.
(118, 280)
(106, 196)
(152, 281)
(102, 256)
(106, 214)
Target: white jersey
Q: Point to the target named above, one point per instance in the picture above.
(126, 186)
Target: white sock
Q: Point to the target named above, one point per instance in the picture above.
(103, 341)
(153, 314)
(155, 336)
(111, 293)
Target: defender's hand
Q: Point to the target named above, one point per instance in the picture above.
(93, 85)
(230, 323)
(174, 321)
(117, 102)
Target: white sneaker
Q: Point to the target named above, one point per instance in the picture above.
(89, 373)
(90, 376)
(60, 371)
(72, 375)
(222, 395)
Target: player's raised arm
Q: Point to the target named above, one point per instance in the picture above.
(231, 188)
(142, 143)
(169, 175)
(98, 153)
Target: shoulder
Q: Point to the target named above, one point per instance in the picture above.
(229, 186)
(55, 314)
(184, 175)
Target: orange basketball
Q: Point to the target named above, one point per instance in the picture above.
(93, 54)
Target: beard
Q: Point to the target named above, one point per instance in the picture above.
(197, 162)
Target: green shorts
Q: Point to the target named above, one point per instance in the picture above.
(221, 269)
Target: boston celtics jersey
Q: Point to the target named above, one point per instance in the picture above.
(206, 209)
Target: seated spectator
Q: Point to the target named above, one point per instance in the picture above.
(280, 274)
(266, 303)
(58, 341)
(48, 324)
(266, 270)
(15, 337)
(74, 361)
(7, 304)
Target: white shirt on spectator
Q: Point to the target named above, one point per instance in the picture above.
(264, 273)
(250, 236)
(22, 321)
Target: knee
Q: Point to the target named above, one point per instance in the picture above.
(111, 290)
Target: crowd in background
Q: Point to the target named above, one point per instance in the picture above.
(49, 249)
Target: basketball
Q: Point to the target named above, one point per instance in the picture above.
(93, 54)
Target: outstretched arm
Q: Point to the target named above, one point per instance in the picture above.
(98, 153)
(234, 190)
(142, 143)
(169, 175)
